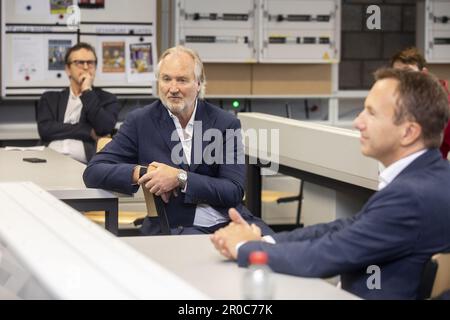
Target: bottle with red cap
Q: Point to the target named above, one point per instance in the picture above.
(258, 281)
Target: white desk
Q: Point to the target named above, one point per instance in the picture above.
(63, 177)
(326, 156)
(69, 257)
(194, 259)
(58, 173)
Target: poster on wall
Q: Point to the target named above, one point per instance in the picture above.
(56, 52)
(140, 67)
(113, 54)
(28, 58)
(59, 6)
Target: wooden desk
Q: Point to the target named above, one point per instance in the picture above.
(194, 259)
(63, 177)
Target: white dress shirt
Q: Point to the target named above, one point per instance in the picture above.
(205, 215)
(388, 174)
(71, 147)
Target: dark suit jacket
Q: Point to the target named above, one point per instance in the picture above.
(99, 112)
(145, 136)
(398, 229)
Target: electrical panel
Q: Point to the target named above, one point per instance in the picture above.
(434, 30)
(300, 31)
(295, 31)
(221, 31)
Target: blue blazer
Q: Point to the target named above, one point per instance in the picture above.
(398, 229)
(145, 136)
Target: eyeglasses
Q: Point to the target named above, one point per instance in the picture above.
(81, 63)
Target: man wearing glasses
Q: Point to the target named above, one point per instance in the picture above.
(70, 121)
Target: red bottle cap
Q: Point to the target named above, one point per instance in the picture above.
(258, 257)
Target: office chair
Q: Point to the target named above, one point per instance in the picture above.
(435, 277)
(160, 209)
(268, 196)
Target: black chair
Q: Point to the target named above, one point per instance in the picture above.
(298, 198)
(160, 209)
(267, 195)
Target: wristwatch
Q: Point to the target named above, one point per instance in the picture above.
(182, 178)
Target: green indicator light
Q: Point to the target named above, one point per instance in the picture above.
(235, 104)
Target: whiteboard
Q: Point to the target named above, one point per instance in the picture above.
(36, 35)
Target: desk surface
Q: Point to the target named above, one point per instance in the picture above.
(194, 259)
(58, 173)
(81, 261)
(317, 149)
(63, 177)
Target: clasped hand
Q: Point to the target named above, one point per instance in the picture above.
(161, 180)
(226, 239)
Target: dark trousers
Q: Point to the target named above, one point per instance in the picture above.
(151, 226)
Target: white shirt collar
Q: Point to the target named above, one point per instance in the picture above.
(73, 95)
(390, 173)
(190, 124)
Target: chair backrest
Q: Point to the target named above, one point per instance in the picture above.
(442, 278)
(102, 142)
(160, 207)
(436, 276)
(152, 203)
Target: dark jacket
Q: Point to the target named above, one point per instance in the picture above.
(100, 111)
(398, 230)
(145, 136)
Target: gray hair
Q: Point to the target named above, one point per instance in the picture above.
(199, 71)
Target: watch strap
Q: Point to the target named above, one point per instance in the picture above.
(142, 171)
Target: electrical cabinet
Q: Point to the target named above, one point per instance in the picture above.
(300, 31)
(272, 31)
(433, 30)
(221, 31)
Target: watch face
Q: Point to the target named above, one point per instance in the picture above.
(183, 176)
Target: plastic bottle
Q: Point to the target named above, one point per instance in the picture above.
(258, 282)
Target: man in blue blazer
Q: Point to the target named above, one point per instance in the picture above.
(194, 147)
(380, 252)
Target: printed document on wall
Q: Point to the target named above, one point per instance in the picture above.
(28, 57)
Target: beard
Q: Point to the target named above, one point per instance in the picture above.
(176, 106)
